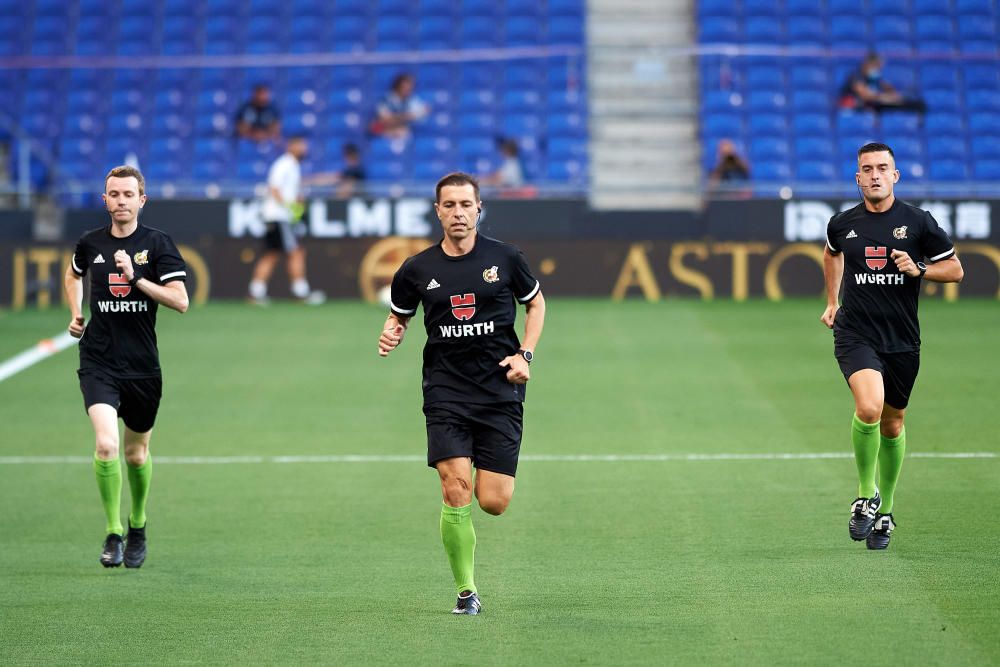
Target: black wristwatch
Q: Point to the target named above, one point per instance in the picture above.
(135, 279)
(528, 356)
(923, 269)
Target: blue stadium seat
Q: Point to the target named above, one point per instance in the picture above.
(938, 76)
(986, 148)
(806, 30)
(771, 171)
(814, 124)
(762, 29)
(484, 28)
(949, 170)
(719, 29)
(521, 101)
(810, 77)
(979, 7)
(522, 31)
(906, 149)
(934, 27)
(848, 168)
(569, 171)
(891, 28)
(520, 125)
(566, 29)
(768, 148)
(432, 147)
(565, 100)
(987, 170)
(855, 122)
(766, 100)
(566, 7)
(566, 125)
(846, 31)
(811, 101)
(764, 77)
(947, 148)
(166, 148)
(386, 172)
(721, 101)
(983, 100)
(723, 8)
(931, 7)
(971, 28)
(815, 171)
(562, 148)
(983, 77)
(723, 125)
(815, 148)
(431, 170)
(936, 124)
(899, 123)
(942, 100)
(761, 7)
(477, 123)
(769, 125)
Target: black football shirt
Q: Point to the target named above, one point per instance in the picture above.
(469, 311)
(120, 337)
(880, 302)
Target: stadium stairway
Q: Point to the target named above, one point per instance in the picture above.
(643, 105)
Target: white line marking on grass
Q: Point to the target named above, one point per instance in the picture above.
(42, 350)
(534, 458)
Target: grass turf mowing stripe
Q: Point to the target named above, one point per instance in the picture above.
(533, 458)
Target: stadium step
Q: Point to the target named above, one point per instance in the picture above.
(643, 105)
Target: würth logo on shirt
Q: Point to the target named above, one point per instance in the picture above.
(118, 285)
(463, 306)
(875, 257)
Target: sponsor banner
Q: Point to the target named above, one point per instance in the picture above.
(750, 220)
(219, 268)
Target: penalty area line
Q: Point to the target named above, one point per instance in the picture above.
(530, 458)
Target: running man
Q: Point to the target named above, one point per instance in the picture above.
(133, 269)
(881, 243)
(474, 367)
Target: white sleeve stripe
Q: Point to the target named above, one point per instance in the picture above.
(172, 275)
(942, 255)
(530, 294)
(76, 268)
(832, 249)
(401, 311)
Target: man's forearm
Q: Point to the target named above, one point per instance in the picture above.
(833, 273)
(167, 295)
(948, 271)
(534, 321)
(73, 288)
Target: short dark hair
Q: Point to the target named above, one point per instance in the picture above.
(124, 171)
(398, 80)
(875, 147)
(456, 178)
(351, 148)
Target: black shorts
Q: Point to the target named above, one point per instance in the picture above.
(137, 400)
(282, 236)
(898, 369)
(488, 434)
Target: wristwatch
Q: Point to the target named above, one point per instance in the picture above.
(135, 279)
(528, 356)
(923, 269)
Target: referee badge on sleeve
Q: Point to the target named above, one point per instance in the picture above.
(491, 275)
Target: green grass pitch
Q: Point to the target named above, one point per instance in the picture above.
(626, 562)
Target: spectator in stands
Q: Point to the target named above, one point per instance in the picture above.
(399, 109)
(258, 119)
(866, 88)
(349, 181)
(509, 174)
(731, 167)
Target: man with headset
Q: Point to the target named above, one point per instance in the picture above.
(881, 242)
(475, 369)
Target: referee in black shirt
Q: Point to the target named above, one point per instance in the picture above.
(132, 269)
(878, 249)
(475, 369)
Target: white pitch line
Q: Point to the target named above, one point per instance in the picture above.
(42, 350)
(535, 458)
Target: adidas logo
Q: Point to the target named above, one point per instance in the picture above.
(433, 284)
(852, 235)
(99, 259)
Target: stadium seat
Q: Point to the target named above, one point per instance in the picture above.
(948, 170)
(942, 100)
(815, 171)
(766, 100)
(814, 124)
(816, 101)
(566, 125)
(983, 100)
(719, 29)
(987, 170)
(984, 123)
(972, 28)
(772, 171)
(772, 125)
(814, 148)
(762, 30)
(943, 124)
(946, 148)
(768, 148)
(723, 125)
(810, 77)
(986, 147)
(806, 30)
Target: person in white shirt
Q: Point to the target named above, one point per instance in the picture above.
(282, 212)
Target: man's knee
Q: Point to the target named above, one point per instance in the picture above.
(136, 456)
(891, 427)
(456, 489)
(107, 446)
(868, 410)
(494, 504)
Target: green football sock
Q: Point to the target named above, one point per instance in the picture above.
(890, 462)
(865, 438)
(109, 483)
(459, 539)
(139, 478)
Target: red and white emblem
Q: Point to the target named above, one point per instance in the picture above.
(875, 257)
(118, 285)
(463, 306)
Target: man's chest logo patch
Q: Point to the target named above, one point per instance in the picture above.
(899, 233)
(141, 257)
(118, 285)
(491, 275)
(463, 306)
(876, 257)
